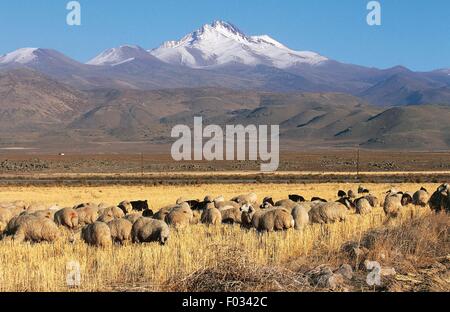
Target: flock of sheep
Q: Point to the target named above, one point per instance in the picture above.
(102, 225)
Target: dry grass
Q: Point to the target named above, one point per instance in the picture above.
(191, 253)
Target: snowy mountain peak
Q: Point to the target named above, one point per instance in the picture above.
(119, 55)
(221, 43)
(20, 56)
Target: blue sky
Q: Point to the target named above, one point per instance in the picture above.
(414, 33)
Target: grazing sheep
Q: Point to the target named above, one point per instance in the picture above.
(133, 217)
(347, 202)
(363, 206)
(139, 205)
(120, 230)
(125, 206)
(393, 203)
(180, 216)
(97, 234)
(351, 194)
(109, 214)
(286, 203)
(211, 216)
(230, 214)
(296, 198)
(85, 205)
(421, 197)
(250, 198)
(67, 217)
(407, 199)
(36, 229)
(162, 213)
(268, 220)
(87, 215)
(267, 200)
(440, 200)
(147, 213)
(363, 190)
(328, 213)
(319, 199)
(49, 214)
(342, 194)
(147, 230)
(373, 200)
(301, 216)
(5, 216)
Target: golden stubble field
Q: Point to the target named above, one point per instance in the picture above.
(43, 267)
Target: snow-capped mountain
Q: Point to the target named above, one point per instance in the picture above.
(20, 56)
(222, 43)
(120, 55)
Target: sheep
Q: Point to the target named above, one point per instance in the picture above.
(162, 213)
(421, 197)
(97, 234)
(301, 216)
(319, 199)
(49, 214)
(393, 203)
(85, 205)
(440, 199)
(120, 230)
(5, 216)
(36, 207)
(250, 198)
(286, 203)
(363, 190)
(407, 199)
(179, 216)
(342, 194)
(67, 217)
(211, 216)
(125, 206)
(147, 213)
(230, 214)
(268, 220)
(109, 214)
(267, 200)
(373, 200)
(225, 204)
(363, 206)
(328, 213)
(347, 202)
(37, 229)
(87, 215)
(296, 198)
(133, 217)
(147, 230)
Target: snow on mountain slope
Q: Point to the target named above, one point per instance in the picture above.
(222, 43)
(20, 56)
(120, 55)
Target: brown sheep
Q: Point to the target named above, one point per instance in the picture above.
(286, 203)
(211, 216)
(5, 216)
(231, 215)
(36, 229)
(421, 197)
(392, 204)
(109, 214)
(97, 234)
(363, 206)
(250, 199)
(328, 213)
(133, 217)
(126, 206)
(373, 200)
(147, 230)
(300, 213)
(180, 216)
(268, 220)
(87, 215)
(162, 213)
(67, 217)
(120, 230)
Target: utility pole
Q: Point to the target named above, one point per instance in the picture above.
(357, 163)
(142, 165)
